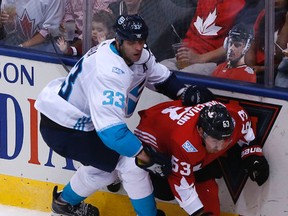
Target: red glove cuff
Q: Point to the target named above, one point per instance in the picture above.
(251, 150)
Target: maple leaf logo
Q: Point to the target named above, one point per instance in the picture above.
(184, 189)
(208, 26)
(27, 24)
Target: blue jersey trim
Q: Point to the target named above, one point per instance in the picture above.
(121, 139)
(113, 48)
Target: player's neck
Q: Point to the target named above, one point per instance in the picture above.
(234, 64)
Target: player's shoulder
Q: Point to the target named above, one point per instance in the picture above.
(167, 104)
(234, 107)
(249, 70)
(105, 61)
(237, 112)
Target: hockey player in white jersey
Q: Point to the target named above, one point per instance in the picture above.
(83, 118)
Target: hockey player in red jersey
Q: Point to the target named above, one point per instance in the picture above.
(203, 43)
(237, 44)
(192, 138)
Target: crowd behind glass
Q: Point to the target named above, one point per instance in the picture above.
(220, 38)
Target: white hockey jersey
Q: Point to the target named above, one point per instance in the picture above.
(100, 91)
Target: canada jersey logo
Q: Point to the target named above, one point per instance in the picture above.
(207, 27)
(27, 25)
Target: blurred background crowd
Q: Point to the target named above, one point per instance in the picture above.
(219, 38)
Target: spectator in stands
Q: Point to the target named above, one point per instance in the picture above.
(281, 79)
(74, 11)
(161, 35)
(203, 43)
(102, 27)
(102, 23)
(255, 57)
(31, 22)
(237, 44)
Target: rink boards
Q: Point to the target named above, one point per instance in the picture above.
(29, 169)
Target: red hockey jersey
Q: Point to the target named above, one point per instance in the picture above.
(243, 73)
(171, 128)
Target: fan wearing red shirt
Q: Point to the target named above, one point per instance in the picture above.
(193, 137)
(237, 44)
(203, 42)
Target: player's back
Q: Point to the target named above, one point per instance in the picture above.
(168, 124)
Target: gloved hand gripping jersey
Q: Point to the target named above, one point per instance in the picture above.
(160, 164)
(255, 164)
(193, 95)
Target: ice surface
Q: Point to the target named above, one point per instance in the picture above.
(15, 211)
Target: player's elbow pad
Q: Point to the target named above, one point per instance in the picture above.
(121, 139)
(170, 87)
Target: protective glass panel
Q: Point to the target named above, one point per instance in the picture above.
(219, 38)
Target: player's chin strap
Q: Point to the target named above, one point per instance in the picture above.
(145, 56)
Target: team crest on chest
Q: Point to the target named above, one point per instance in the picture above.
(188, 147)
(117, 70)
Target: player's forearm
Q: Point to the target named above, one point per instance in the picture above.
(172, 87)
(121, 139)
(35, 40)
(214, 56)
(143, 157)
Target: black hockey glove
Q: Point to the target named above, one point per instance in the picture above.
(201, 212)
(255, 164)
(193, 95)
(211, 171)
(160, 164)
